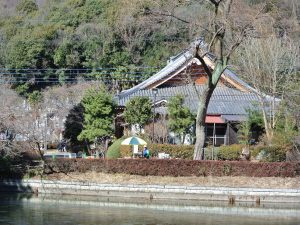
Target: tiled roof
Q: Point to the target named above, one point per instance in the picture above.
(224, 100)
(179, 62)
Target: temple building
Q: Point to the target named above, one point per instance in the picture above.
(229, 103)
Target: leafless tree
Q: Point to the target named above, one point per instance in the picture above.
(225, 29)
(269, 64)
(160, 129)
(58, 101)
(32, 125)
(11, 111)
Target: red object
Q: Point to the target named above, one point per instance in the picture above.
(214, 119)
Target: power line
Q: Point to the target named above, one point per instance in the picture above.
(89, 70)
(137, 75)
(97, 68)
(109, 78)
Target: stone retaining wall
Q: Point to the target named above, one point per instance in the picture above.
(153, 191)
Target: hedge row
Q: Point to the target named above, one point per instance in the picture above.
(173, 167)
(230, 152)
(175, 151)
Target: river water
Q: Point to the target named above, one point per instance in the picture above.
(28, 209)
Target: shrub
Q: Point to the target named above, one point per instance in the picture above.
(175, 151)
(113, 151)
(209, 151)
(270, 153)
(230, 152)
(254, 151)
(175, 167)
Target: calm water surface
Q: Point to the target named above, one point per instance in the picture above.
(26, 209)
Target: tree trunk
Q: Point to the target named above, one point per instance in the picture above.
(204, 99)
(268, 127)
(200, 141)
(183, 138)
(87, 146)
(200, 123)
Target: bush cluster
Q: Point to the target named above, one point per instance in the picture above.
(269, 153)
(113, 151)
(230, 152)
(175, 167)
(15, 167)
(211, 153)
(175, 151)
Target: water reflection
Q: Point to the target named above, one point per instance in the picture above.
(26, 209)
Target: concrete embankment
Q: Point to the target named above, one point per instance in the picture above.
(153, 191)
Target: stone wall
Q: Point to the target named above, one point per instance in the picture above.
(153, 191)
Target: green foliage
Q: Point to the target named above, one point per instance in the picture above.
(244, 133)
(113, 151)
(35, 98)
(68, 54)
(254, 122)
(74, 123)
(285, 130)
(255, 117)
(99, 110)
(138, 111)
(180, 118)
(270, 153)
(175, 151)
(211, 153)
(24, 52)
(22, 89)
(230, 152)
(30, 49)
(26, 7)
(86, 34)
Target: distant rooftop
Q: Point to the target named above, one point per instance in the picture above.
(179, 62)
(223, 101)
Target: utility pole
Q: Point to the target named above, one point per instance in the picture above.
(45, 136)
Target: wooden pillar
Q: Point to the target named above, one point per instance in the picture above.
(227, 134)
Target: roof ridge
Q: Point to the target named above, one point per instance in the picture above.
(176, 62)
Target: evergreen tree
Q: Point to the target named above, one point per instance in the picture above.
(99, 111)
(74, 123)
(138, 111)
(180, 118)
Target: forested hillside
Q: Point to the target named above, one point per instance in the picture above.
(54, 54)
(63, 39)
(49, 42)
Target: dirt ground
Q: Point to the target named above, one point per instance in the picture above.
(255, 182)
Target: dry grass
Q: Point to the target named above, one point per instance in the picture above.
(255, 182)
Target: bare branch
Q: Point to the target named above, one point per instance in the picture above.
(205, 66)
(216, 3)
(242, 35)
(235, 45)
(149, 11)
(214, 38)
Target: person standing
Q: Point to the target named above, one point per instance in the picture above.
(146, 152)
